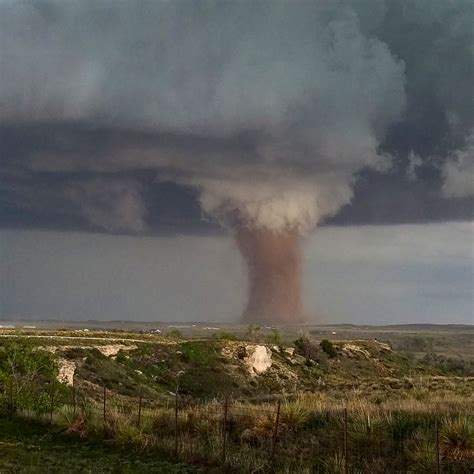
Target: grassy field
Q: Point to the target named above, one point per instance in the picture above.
(28, 447)
(402, 397)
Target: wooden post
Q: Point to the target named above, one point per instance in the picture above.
(346, 464)
(73, 388)
(139, 408)
(104, 406)
(176, 422)
(438, 463)
(10, 389)
(275, 433)
(51, 408)
(224, 428)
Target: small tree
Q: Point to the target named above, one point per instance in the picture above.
(306, 348)
(28, 373)
(328, 348)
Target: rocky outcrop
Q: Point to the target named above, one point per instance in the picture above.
(258, 360)
(108, 350)
(66, 371)
(256, 357)
(352, 350)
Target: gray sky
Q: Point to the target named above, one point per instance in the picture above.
(139, 117)
(366, 274)
(133, 133)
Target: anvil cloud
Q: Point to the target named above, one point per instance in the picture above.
(118, 116)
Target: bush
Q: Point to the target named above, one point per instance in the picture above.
(306, 348)
(449, 365)
(328, 348)
(20, 360)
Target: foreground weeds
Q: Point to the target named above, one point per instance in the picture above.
(308, 436)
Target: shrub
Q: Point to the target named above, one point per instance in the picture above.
(306, 348)
(449, 365)
(20, 360)
(328, 348)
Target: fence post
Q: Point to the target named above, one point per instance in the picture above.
(51, 407)
(73, 388)
(139, 408)
(104, 406)
(275, 433)
(438, 464)
(224, 429)
(10, 395)
(346, 463)
(176, 423)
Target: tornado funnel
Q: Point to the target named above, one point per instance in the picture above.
(273, 259)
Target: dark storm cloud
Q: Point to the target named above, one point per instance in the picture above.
(122, 116)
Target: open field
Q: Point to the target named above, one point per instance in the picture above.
(447, 337)
(28, 448)
(249, 399)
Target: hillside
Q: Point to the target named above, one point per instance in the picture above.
(128, 363)
(244, 405)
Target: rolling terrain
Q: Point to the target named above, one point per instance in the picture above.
(402, 395)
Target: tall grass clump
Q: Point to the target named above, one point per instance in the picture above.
(401, 426)
(366, 430)
(295, 416)
(457, 439)
(423, 455)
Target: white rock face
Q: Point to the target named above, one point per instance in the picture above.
(355, 351)
(112, 350)
(66, 371)
(258, 360)
(290, 351)
(383, 347)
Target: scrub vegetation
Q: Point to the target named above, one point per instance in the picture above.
(321, 406)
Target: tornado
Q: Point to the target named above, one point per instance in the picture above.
(273, 259)
(267, 129)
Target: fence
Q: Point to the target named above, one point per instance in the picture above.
(278, 437)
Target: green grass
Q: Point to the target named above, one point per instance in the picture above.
(26, 447)
(197, 366)
(103, 370)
